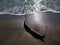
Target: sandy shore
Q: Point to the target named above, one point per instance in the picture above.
(12, 32)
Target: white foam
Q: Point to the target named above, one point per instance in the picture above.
(17, 14)
(51, 11)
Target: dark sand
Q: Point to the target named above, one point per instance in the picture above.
(12, 31)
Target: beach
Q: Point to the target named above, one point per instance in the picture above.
(12, 31)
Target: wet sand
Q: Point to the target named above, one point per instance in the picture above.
(12, 31)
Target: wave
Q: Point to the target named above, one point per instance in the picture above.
(52, 5)
(30, 13)
(22, 7)
(51, 10)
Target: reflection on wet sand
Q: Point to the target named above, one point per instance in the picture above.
(50, 26)
(12, 31)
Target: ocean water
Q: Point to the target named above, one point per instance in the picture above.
(27, 6)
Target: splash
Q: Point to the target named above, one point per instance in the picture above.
(37, 5)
